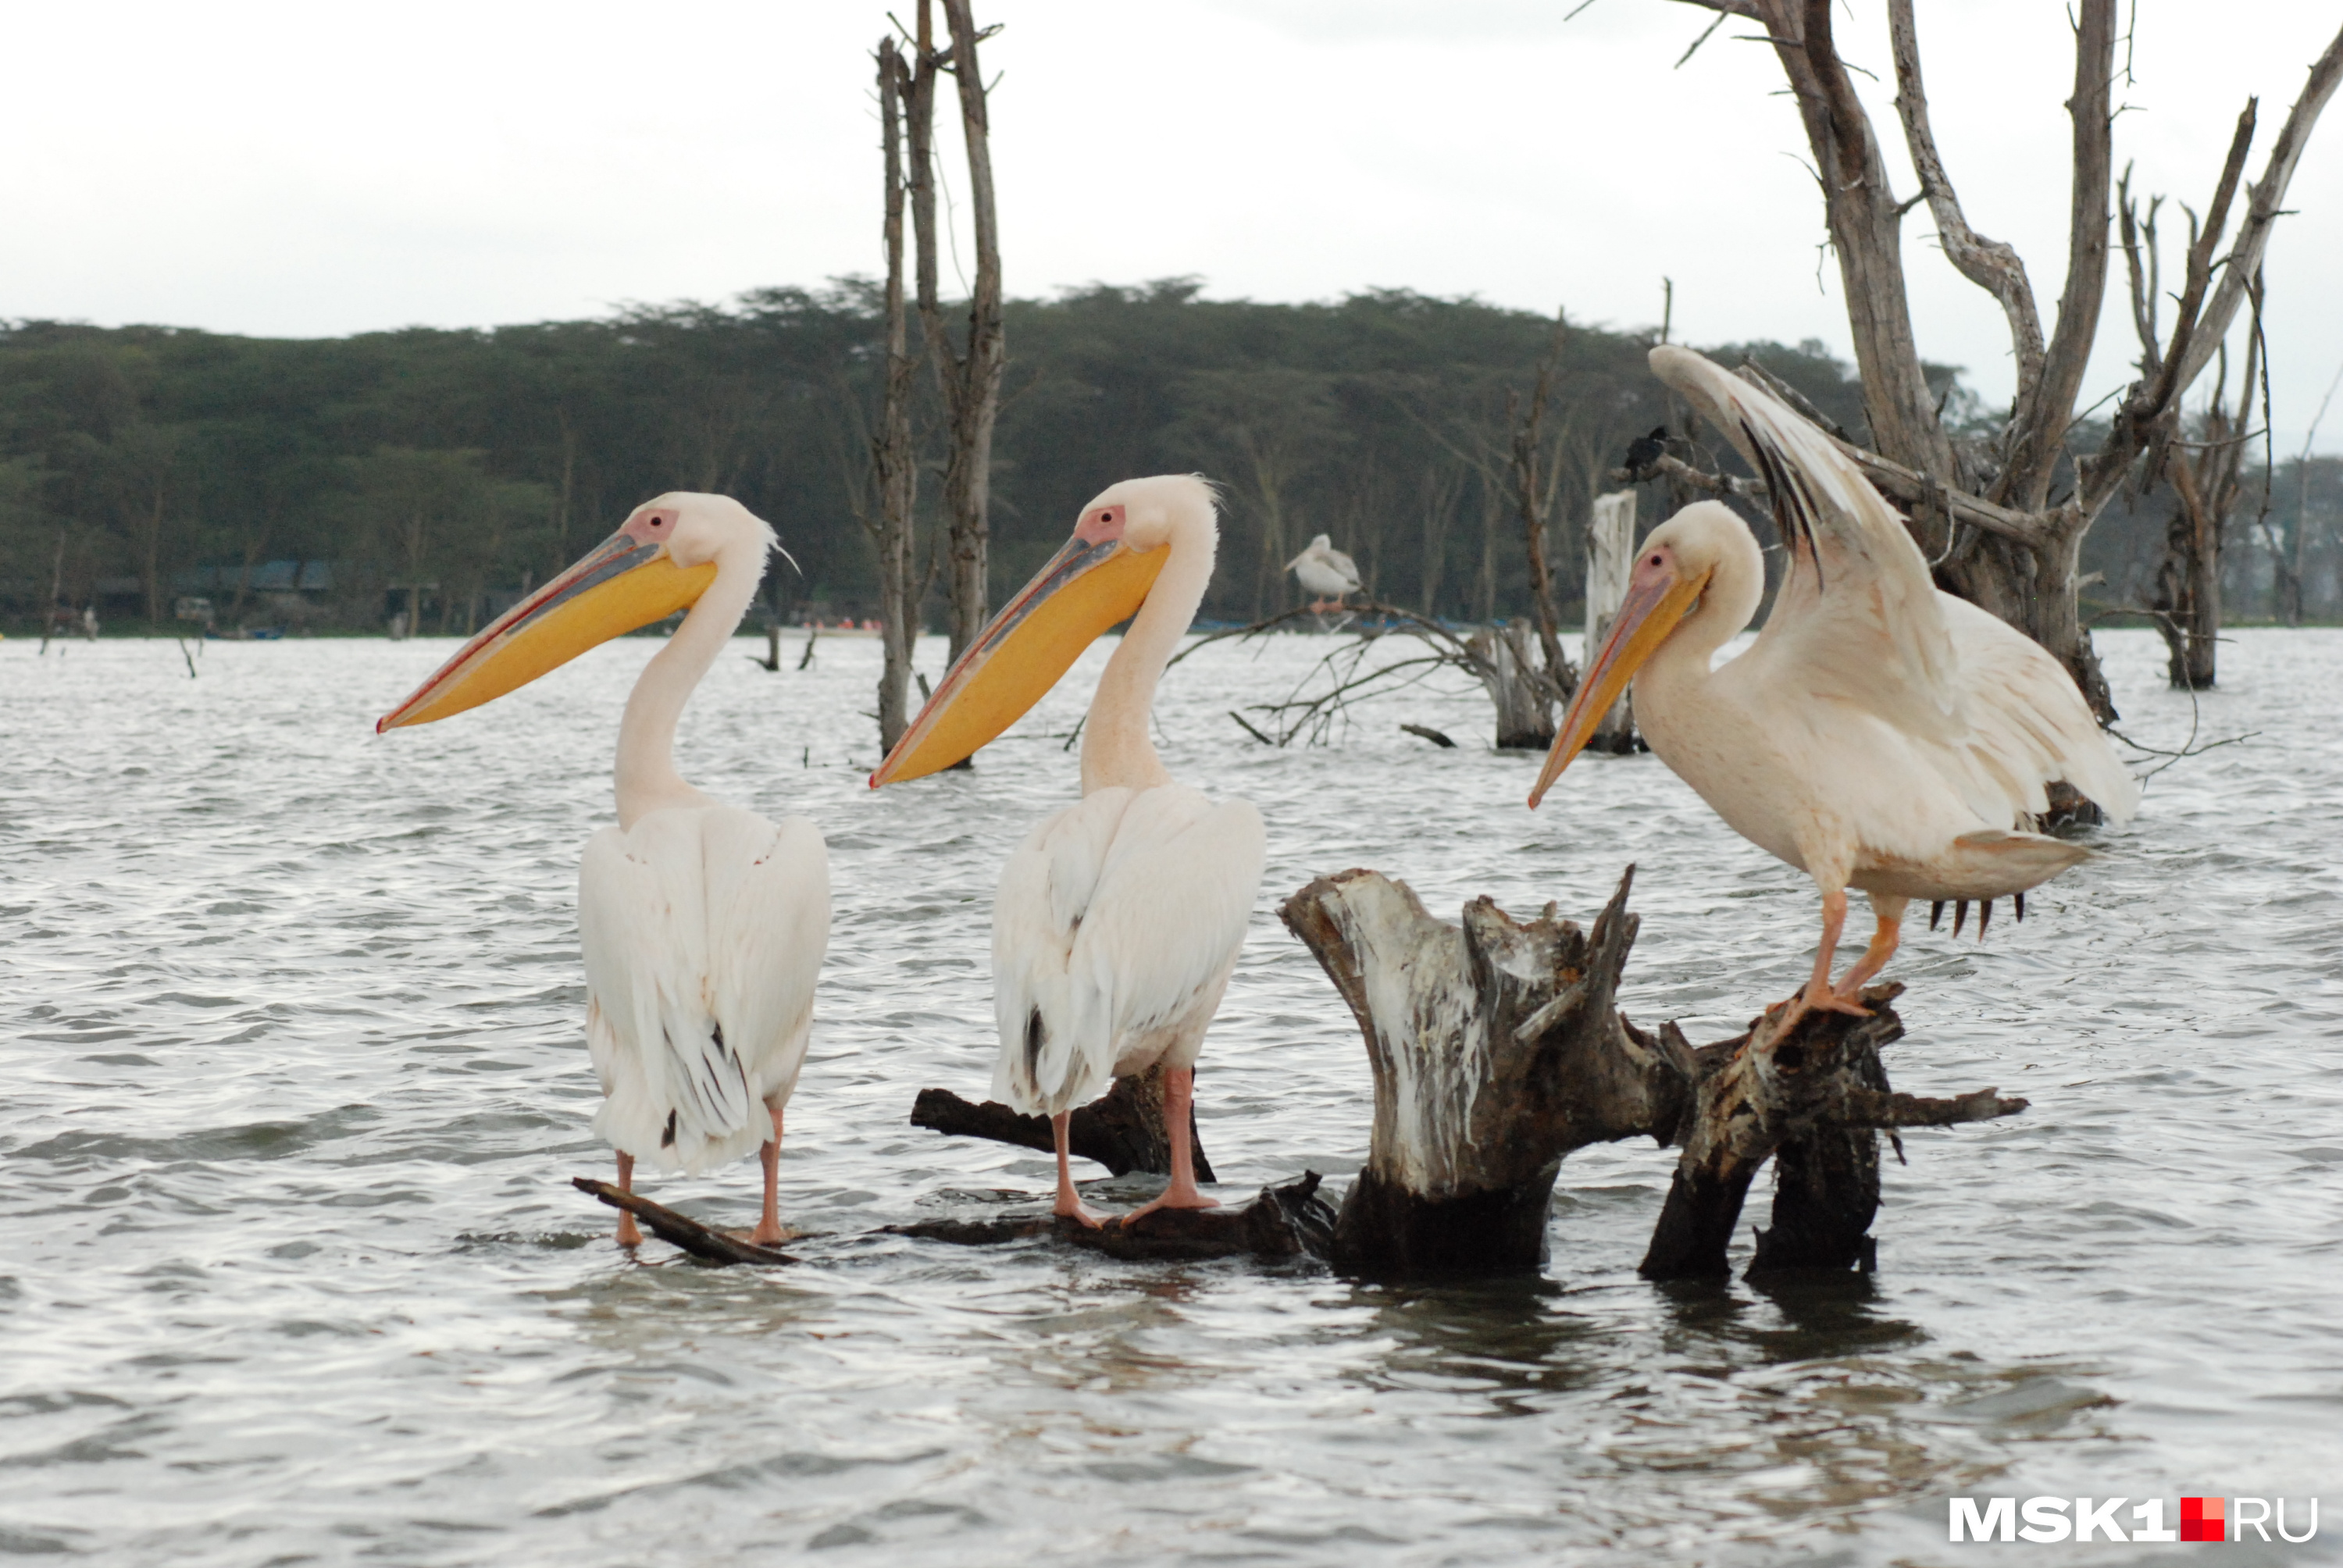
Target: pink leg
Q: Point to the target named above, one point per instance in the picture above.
(1070, 1202)
(769, 1231)
(628, 1236)
(1889, 913)
(1181, 1192)
(1819, 995)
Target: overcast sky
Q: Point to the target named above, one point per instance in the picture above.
(309, 170)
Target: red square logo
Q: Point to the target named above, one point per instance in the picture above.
(2201, 1519)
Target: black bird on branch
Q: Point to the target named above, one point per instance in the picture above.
(1644, 452)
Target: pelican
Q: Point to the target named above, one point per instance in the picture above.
(1118, 920)
(1326, 572)
(704, 925)
(1879, 734)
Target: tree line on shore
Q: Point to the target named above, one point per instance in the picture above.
(438, 472)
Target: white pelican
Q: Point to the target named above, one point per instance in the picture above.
(704, 925)
(1326, 572)
(1118, 920)
(1879, 734)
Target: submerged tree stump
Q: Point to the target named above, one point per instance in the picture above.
(1123, 1129)
(1496, 1050)
(1812, 1098)
(1506, 662)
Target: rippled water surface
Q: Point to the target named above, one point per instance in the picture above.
(295, 1085)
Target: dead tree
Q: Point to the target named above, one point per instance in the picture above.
(1533, 489)
(1812, 1098)
(894, 459)
(1497, 1049)
(2207, 477)
(1503, 658)
(1504, 661)
(1984, 511)
(969, 374)
(1610, 562)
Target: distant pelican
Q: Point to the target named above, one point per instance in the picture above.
(1326, 572)
(704, 925)
(1119, 920)
(1878, 734)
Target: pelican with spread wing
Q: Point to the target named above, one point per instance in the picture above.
(1879, 734)
(704, 925)
(1119, 920)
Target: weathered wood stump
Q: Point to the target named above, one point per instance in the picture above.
(1508, 666)
(1812, 1098)
(1123, 1129)
(1496, 1050)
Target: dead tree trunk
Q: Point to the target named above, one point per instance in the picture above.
(1123, 1129)
(56, 586)
(1496, 1050)
(1508, 671)
(1984, 513)
(2207, 477)
(1810, 1097)
(1532, 499)
(969, 375)
(894, 461)
(1610, 558)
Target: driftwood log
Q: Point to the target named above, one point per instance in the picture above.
(702, 1241)
(1123, 1129)
(1284, 1221)
(1496, 1050)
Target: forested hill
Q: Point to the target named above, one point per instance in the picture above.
(173, 460)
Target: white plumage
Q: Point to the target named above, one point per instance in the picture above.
(704, 926)
(1878, 734)
(704, 929)
(1117, 923)
(1324, 571)
(1119, 920)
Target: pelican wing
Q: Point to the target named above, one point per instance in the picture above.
(2028, 724)
(702, 929)
(1857, 617)
(1117, 918)
(769, 927)
(1045, 889)
(1343, 566)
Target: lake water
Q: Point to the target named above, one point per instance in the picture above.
(290, 1024)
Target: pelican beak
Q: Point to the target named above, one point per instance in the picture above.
(1086, 587)
(1650, 612)
(623, 583)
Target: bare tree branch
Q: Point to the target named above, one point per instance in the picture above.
(1990, 264)
(2263, 210)
(2038, 429)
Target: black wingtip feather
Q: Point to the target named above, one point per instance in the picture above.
(1960, 916)
(1936, 913)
